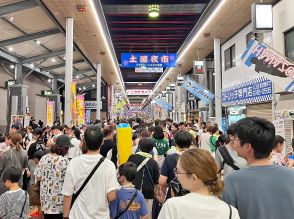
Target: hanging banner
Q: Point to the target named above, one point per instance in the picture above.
(139, 92)
(120, 105)
(270, 64)
(149, 70)
(88, 116)
(163, 104)
(148, 60)
(197, 90)
(73, 102)
(257, 90)
(81, 117)
(50, 113)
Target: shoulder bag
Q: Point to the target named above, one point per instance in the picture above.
(128, 206)
(75, 195)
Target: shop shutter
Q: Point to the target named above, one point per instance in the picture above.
(41, 109)
(3, 110)
(263, 110)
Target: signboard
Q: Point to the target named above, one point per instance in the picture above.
(50, 113)
(138, 105)
(92, 105)
(88, 116)
(285, 114)
(198, 67)
(139, 92)
(198, 91)
(280, 127)
(81, 118)
(257, 90)
(270, 64)
(149, 70)
(148, 60)
(163, 104)
(17, 120)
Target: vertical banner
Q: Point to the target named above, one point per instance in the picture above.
(50, 113)
(81, 118)
(73, 102)
(88, 116)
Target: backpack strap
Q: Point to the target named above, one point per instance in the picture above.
(128, 206)
(142, 164)
(227, 157)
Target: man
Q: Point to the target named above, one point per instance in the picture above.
(262, 190)
(202, 128)
(226, 157)
(56, 131)
(14, 129)
(93, 200)
(182, 126)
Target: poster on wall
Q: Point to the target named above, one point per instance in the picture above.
(17, 120)
(88, 116)
(270, 64)
(73, 102)
(50, 113)
(81, 117)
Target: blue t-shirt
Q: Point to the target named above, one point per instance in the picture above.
(123, 196)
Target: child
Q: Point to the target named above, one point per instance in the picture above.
(137, 209)
(15, 202)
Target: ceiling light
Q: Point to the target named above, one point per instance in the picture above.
(11, 18)
(84, 88)
(53, 60)
(12, 66)
(140, 84)
(49, 80)
(80, 88)
(38, 42)
(77, 77)
(153, 10)
(32, 65)
(10, 49)
(93, 85)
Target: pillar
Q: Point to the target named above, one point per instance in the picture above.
(218, 82)
(68, 69)
(178, 105)
(98, 98)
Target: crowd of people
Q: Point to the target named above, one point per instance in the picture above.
(176, 170)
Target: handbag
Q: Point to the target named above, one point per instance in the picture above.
(176, 188)
(34, 193)
(75, 195)
(128, 206)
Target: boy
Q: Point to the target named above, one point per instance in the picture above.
(15, 202)
(137, 209)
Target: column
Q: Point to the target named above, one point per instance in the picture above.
(55, 96)
(174, 106)
(178, 105)
(18, 72)
(98, 98)
(218, 82)
(68, 69)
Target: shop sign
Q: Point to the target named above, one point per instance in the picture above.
(198, 67)
(139, 92)
(285, 114)
(197, 90)
(148, 60)
(270, 64)
(254, 91)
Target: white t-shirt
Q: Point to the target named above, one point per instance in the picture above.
(205, 141)
(92, 201)
(196, 206)
(76, 150)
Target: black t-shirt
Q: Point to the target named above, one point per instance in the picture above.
(107, 146)
(168, 166)
(145, 181)
(34, 147)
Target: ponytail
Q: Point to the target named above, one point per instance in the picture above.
(215, 187)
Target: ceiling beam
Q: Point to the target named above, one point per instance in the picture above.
(19, 6)
(61, 65)
(148, 2)
(44, 56)
(28, 37)
(76, 73)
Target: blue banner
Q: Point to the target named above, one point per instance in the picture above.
(197, 90)
(163, 104)
(257, 90)
(148, 60)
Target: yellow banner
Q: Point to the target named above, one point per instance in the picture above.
(50, 113)
(120, 105)
(81, 109)
(73, 102)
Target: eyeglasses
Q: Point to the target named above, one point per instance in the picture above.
(176, 172)
(235, 139)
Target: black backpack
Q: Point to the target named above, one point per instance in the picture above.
(227, 158)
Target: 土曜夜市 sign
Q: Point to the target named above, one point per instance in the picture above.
(148, 60)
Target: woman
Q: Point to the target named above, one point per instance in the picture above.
(75, 139)
(28, 137)
(51, 172)
(174, 129)
(276, 154)
(197, 173)
(16, 157)
(160, 143)
(109, 144)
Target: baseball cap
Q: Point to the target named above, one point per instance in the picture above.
(37, 131)
(63, 141)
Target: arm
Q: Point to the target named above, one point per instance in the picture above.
(111, 196)
(66, 205)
